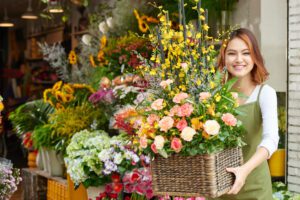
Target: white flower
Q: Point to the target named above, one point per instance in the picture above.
(159, 142)
(211, 127)
(104, 155)
(86, 39)
(103, 28)
(187, 134)
(110, 22)
(118, 158)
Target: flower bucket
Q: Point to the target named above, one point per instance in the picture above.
(277, 163)
(31, 159)
(76, 194)
(55, 163)
(193, 176)
(39, 160)
(43, 151)
(93, 192)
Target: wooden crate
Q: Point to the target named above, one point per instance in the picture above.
(34, 186)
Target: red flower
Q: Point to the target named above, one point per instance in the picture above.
(115, 177)
(113, 195)
(135, 176)
(108, 188)
(153, 148)
(118, 187)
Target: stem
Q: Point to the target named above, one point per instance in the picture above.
(183, 20)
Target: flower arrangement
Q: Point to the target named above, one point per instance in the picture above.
(62, 94)
(191, 109)
(93, 158)
(9, 179)
(280, 192)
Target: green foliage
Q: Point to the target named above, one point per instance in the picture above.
(280, 192)
(282, 126)
(42, 137)
(30, 115)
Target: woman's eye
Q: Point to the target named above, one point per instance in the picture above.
(246, 53)
(230, 53)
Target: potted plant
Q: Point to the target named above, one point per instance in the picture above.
(277, 161)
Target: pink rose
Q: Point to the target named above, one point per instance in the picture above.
(157, 104)
(166, 83)
(143, 142)
(186, 110)
(204, 95)
(211, 127)
(152, 118)
(187, 134)
(175, 111)
(166, 123)
(229, 119)
(153, 148)
(159, 142)
(181, 124)
(176, 145)
(179, 97)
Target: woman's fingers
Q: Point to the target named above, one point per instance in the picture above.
(239, 181)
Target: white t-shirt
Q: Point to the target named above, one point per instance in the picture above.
(268, 107)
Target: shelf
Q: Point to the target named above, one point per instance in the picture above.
(60, 28)
(80, 32)
(46, 175)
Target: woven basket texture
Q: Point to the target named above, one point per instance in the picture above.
(193, 176)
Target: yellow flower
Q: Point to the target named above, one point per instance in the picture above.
(103, 41)
(211, 110)
(217, 97)
(202, 17)
(57, 86)
(68, 89)
(205, 27)
(68, 97)
(58, 106)
(92, 61)
(212, 85)
(45, 94)
(196, 124)
(100, 56)
(51, 103)
(72, 57)
(136, 14)
(143, 26)
(1, 106)
(205, 135)
(60, 96)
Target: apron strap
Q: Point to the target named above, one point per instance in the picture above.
(260, 89)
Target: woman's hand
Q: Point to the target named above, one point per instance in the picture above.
(240, 178)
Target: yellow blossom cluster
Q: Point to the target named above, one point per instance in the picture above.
(143, 21)
(61, 94)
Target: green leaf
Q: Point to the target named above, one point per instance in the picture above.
(163, 153)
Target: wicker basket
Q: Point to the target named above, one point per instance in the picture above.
(193, 176)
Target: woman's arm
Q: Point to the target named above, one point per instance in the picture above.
(243, 171)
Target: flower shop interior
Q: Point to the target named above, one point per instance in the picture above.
(77, 76)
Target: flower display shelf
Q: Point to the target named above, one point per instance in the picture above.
(200, 175)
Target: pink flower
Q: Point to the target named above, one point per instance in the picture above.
(157, 104)
(211, 127)
(179, 97)
(178, 198)
(181, 124)
(166, 123)
(143, 142)
(175, 111)
(186, 110)
(159, 142)
(229, 119)
(187, 134)
(235, 95)
(166, 83)
(204, 95)
(152, 118)
(176, 145)
(153, 148)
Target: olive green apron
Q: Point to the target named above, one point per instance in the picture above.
(258, 184)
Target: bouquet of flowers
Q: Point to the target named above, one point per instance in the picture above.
(93, 158)
(9, 179)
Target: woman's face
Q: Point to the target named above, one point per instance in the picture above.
(238, 59)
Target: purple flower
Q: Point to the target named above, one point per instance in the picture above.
(105, 96)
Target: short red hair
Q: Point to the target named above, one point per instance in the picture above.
(259, 72)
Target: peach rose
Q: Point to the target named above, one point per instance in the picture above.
(166, 83)
(186, 110)
(152, 118)
(229, 119)
(187, 134)
(181, 124)
(179, 97)
(166, 123)
(159, 142)
(175, 111)
(204, 95)
(157, 104)
(176, 145)
(211, 127)
(143, 142)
